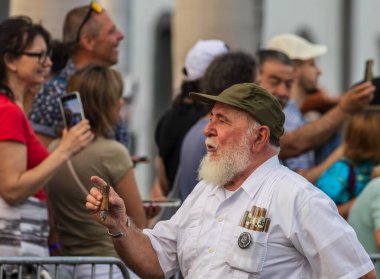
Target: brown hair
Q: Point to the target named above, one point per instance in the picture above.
(17, 34)
(361, 138)
(71, 25)
(100, 89)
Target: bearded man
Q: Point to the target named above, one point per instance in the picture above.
(249, 216)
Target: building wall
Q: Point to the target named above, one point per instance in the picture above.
(322, 19)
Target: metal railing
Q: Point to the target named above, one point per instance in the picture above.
(39, 262)
(375, 257)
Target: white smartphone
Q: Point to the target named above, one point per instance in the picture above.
(71, 109)
(165, 203)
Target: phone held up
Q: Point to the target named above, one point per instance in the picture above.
(71, 109)
(368, 76)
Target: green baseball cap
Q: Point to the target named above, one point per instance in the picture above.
(254, 100)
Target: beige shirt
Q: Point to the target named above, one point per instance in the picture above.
(79, 233)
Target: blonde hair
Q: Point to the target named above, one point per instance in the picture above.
(361, 138)
(100, 89)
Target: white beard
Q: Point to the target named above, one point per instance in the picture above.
(230, 162)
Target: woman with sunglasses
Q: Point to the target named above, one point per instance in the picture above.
(25, 165)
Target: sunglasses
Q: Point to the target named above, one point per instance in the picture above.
(41, 56)
(94, 7)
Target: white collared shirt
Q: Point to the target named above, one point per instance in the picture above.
(307, 237)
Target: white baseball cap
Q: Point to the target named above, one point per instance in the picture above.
(296, 47)
(201, 55)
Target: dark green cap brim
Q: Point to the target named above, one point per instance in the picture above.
(254, 100)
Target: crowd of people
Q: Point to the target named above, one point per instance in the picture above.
(267, 191)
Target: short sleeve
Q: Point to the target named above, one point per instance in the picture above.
(324, 237)
(13, 124)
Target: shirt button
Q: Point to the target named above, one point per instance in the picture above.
(220, 219)
(210, 250)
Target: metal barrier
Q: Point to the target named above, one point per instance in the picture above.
(38, 263)
(375, 257)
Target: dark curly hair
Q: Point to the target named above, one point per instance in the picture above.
(229, 69)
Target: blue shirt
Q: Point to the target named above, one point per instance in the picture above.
(293, 121)
(335, 180)
(193, 149)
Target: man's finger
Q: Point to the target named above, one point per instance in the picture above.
(98, 181)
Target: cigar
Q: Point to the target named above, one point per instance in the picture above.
(245, 216)
(266, 225)
(104, 205)
(261, 219)
(252, 224)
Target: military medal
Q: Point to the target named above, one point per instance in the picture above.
(244, 240)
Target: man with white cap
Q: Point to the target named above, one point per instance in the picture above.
(281, 76)
(183, 114)
(303, 53)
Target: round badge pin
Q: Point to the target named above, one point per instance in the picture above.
(244, 240)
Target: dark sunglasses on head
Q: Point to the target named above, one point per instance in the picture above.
(94, 7)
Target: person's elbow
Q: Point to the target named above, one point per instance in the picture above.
(370, 275)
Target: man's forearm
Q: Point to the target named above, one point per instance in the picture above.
(135, 249)
(312, 135)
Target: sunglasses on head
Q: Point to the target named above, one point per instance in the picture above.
(94, 7)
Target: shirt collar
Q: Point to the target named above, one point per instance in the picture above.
(253, 183)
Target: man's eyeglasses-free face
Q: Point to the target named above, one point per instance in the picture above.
(94, 7)
(41, 56)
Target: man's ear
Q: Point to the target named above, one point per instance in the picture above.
(87, 42)
(9, 61)
(261, 139)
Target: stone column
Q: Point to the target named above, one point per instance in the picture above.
(237, 22)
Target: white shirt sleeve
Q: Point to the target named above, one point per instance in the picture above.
(327, 241)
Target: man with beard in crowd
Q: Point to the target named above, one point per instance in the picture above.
(249, 216)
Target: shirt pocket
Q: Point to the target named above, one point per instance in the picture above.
(250, 259)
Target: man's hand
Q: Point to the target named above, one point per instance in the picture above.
(116, 208)
(357, 97)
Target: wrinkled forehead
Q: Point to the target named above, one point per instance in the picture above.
(229, 112)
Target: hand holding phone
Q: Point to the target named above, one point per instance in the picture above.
(71, 109)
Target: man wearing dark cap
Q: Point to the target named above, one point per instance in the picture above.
(249, 216)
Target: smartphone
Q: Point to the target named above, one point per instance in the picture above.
(368, 72)
(165, 203)
(71, 109)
